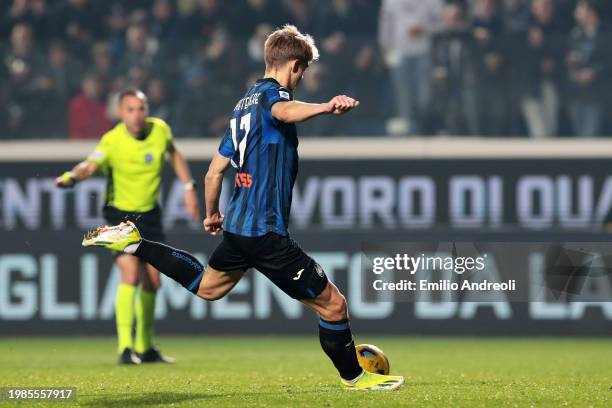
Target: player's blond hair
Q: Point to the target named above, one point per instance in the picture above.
(287, 44)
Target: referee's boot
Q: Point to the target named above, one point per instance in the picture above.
(128, 357)
(153, 355)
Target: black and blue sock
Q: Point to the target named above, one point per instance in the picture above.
(337, 342)
(174, 263)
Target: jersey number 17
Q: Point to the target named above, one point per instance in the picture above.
(240, 145)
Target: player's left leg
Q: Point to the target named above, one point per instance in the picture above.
(145, 315)
(337, 342)
(282, 261)
(335, 332)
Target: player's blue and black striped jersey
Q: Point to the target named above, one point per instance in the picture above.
(264, 152)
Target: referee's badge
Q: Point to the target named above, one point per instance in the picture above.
(148, 158)
(97, 155)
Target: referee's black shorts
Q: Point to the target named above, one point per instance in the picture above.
(278, 257)
(149, 223)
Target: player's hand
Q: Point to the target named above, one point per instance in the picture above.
(213, 224)
(66, 180)
(341, 104)
(192, 207)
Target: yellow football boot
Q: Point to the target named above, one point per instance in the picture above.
(113, 237)
(373, 382)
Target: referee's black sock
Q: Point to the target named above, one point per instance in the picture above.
(174, 263)
(337, 342)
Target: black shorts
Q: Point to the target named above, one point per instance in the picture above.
(278, 257)
(148, 223)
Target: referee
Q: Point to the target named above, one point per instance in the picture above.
(132, 156)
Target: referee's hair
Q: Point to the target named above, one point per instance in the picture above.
(133, 92)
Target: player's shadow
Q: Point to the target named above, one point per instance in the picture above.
(150, 398)
(157, 398)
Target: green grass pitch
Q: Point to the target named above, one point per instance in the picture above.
(294, 372)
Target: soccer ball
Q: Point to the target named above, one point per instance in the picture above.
(372, 359)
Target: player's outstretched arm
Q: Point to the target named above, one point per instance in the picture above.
(296, 111)
(212, 191)
(80, 172)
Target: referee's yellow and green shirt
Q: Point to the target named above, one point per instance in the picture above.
(133, 167)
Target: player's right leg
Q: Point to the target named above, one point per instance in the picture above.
(216, 284)
(181, 266)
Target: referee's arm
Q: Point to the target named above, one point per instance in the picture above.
(80, 172)
(179, 164)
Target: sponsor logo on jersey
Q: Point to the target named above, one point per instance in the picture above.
(244, 180)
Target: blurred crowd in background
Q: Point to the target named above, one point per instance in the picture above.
(531, 68)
